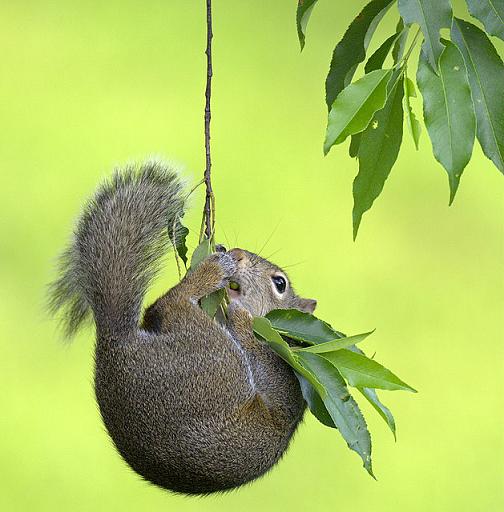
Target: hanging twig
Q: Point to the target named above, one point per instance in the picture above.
(209, 208)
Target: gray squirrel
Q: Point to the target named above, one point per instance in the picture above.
(193, 406)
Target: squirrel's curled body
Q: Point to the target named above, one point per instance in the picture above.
(192, 405)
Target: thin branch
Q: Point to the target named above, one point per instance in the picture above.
(195, 188)
(174, 242)
(209, 208)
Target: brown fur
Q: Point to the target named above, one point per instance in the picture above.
(191, 405)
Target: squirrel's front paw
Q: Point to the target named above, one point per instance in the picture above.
(226, 262)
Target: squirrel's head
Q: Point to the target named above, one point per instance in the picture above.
(260, 286)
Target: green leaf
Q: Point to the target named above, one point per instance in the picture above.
(303, 13)
(486, 77)
(490, 13)
(411, 120)
(263, 328)
(315, 403)
(362, 372)
(400, 44)
(351, 50)
(353, 149)
(432, 16)
(378, 58)
(342, 408)
(337, 344)
(448, 112)
(203, 250)
(384, 412)
(378, 151)
(376, 62)
(178, 235)
(353, 109)
(210, 304)
(372, 397)
(302, 326)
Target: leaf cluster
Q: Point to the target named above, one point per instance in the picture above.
(461, 81)
(326, 363)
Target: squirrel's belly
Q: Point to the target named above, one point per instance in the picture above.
(173, 428)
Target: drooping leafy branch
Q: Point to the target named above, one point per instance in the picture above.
(461, 81)
(327, 363)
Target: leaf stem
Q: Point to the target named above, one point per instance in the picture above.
(200, 182)
(404, 60)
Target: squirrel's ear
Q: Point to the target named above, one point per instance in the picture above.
(307, 305)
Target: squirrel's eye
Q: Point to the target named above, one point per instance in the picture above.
(280, 283)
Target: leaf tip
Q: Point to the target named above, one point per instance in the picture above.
(454, 183)
(356, 224)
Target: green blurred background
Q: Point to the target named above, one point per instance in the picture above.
(85, 86)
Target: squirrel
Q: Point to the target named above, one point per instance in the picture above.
(191, 405)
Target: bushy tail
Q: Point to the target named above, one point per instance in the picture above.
(116, 249)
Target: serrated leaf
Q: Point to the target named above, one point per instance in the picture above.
(302, 326)
(354, 108)
(432, 16)
(411, 120)
(264, 329)
(372, 397)
(361, 372)
(378, 58)
(351, 50)
(378, 151)
(490, 13)
(382, 410)
(178, 235)
(398, 40)
(337, 344)
(448, 111)
(486, 77)
(342, 408)
(400, 44)
(315, 403)
(303, 13)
